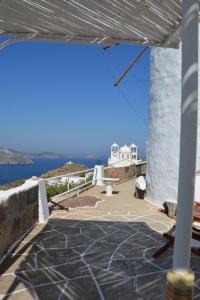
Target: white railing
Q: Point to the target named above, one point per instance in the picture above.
(77, 188)
(82, 187)
(70, 174)
(105, 168)
(143, 162)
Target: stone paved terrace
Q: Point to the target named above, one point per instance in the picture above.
(94, 253)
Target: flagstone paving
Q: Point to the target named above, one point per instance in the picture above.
(94, 253)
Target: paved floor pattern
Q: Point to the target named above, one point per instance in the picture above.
(93, 253)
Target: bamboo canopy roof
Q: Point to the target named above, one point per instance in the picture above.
(104, 22)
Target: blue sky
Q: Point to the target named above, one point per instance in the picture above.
(61, 98)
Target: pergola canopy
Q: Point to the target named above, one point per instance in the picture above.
(106, 22)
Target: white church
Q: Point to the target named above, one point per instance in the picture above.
(123, 156)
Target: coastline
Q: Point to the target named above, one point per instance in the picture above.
(12, 175)
(65, 169)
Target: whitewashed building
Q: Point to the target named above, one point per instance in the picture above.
(67, 179)
(123, 156)
(163, 147)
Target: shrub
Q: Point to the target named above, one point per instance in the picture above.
(53, 190)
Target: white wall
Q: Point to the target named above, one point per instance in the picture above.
(122, 163)
(164, 126)
(4, 195)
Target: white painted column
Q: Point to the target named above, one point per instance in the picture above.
(68, 183)
(188, 141)
(99, 174)
(109, 189)
(197, 188)
(43, 203)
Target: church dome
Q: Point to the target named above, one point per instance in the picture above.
(115, 145)
(125, 148)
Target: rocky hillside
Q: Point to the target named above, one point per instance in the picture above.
(67, 168)
(12, 157)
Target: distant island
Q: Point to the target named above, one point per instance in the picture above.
(45, 155)
(10, 156)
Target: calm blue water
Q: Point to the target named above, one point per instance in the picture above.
(40, 165)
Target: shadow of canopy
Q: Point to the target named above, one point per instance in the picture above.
(79, 259)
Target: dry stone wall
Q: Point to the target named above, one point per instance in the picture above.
(18, 213)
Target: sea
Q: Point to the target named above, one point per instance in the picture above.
(10, 172)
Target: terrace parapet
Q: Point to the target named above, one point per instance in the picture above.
(18, 213)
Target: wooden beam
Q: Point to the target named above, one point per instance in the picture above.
(131, 65)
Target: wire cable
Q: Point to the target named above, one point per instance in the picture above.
(150, 80)
(121, 92)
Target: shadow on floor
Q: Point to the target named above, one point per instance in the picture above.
(113, 192)
(80, 259)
